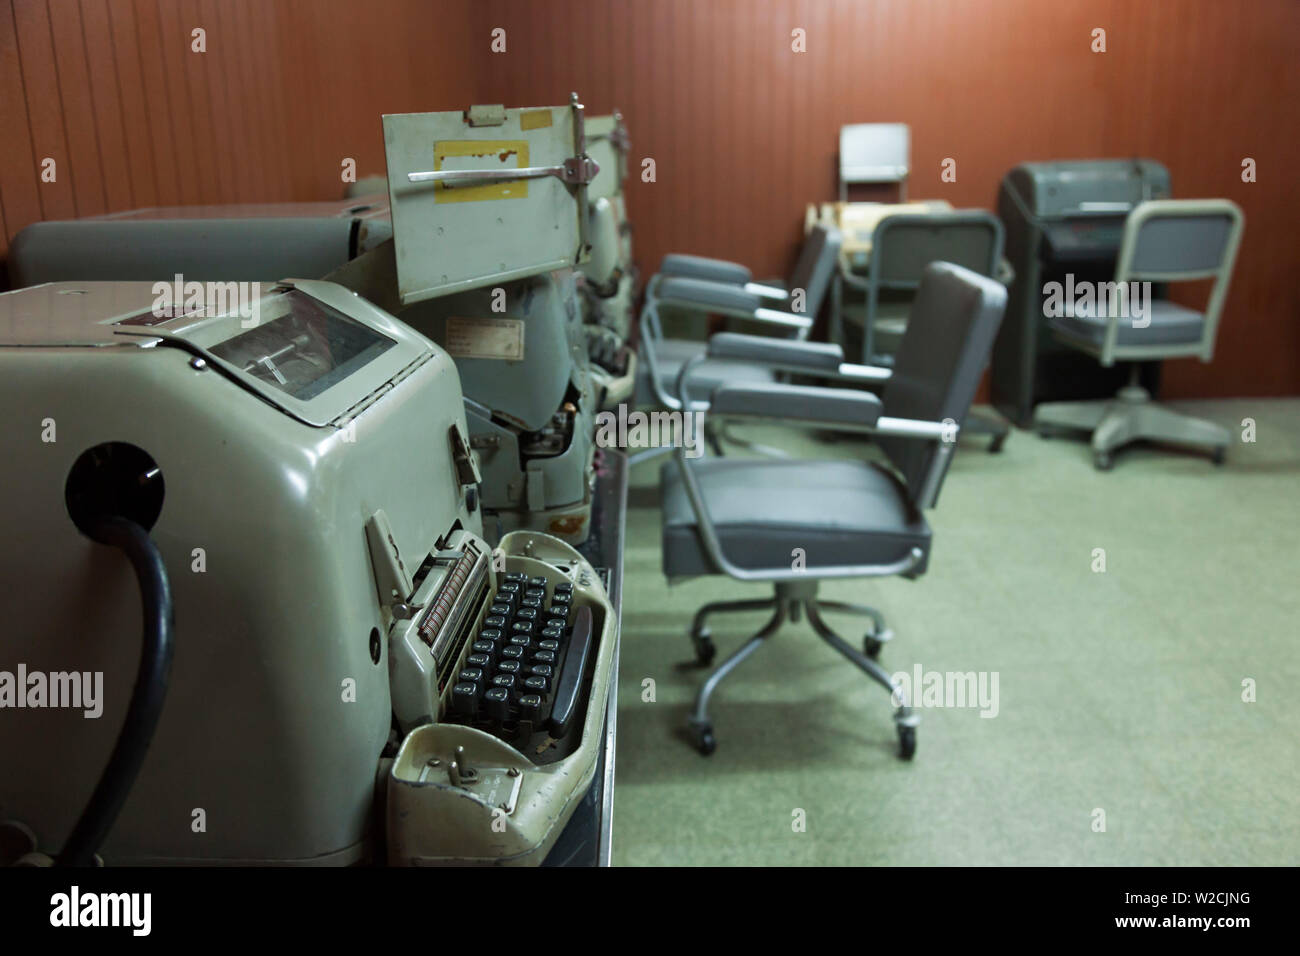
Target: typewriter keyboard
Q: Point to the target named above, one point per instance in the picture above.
(524, 673)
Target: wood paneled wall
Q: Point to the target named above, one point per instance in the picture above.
(113, 91)
(742, 129)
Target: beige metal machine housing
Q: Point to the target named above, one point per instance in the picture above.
(313, 465)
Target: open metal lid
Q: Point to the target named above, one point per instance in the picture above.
(486, 195)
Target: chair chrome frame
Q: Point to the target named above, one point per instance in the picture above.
(796, 590)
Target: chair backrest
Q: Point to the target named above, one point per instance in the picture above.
(903, 245)
(816, 267)
(1178, 240)
(874, 153)
(939, 364)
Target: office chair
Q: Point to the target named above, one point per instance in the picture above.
(875, 153)
(901, 247)
(747, 518)
(702, 286)
(1165, 241)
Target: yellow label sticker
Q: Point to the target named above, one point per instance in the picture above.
(535, 119)
(481, 154)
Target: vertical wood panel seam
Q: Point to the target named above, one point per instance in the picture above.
(27, 110)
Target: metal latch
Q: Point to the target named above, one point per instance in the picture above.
(467, 471)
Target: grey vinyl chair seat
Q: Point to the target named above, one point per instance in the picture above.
(837, 512)
(1171, 324)
(672, 354)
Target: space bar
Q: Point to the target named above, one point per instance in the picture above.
(565, 703)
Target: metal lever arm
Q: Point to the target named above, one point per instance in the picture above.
(576, 171)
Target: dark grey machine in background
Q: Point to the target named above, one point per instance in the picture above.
(1062, 218)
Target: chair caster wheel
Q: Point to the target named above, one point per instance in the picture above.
(906, 742)
(905, 721)
(1220, 455)
(1102, 460)
(705, 742)
(995, 446)
(873, 642)
(705, 649)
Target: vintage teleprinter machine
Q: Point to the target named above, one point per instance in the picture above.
(241, 524)
(479, 251)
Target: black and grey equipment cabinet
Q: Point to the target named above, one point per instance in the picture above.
(1063, 224)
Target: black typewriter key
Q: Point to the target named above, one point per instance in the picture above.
(509, 667)
(481, 661)
(500, 607)
(516, 576)
(544, 657)
(564, 587)
(530, 706)
(532, 602)
(562, 597)
(541, 670)
(512, 653)
(497, 703)
(495, 620)
(489, 634)
(549, 644)
(503, 682)
(520, 640)
(553, 633)
(526, 614)
(470, 675)
(538, 582)
(522, 627)
(464, 699)
(486, 649)
(536, 684)
(513, 585)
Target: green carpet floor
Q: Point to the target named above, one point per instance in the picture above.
(1118, 691)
